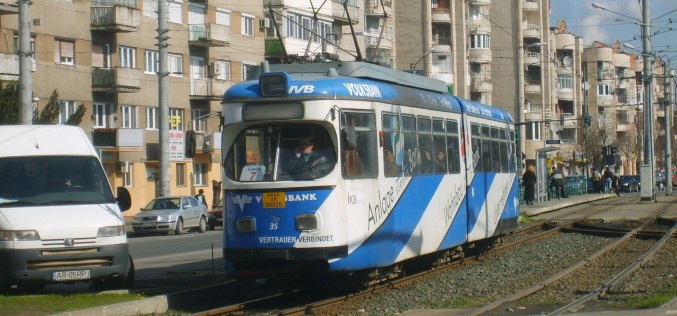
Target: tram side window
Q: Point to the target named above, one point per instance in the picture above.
(505, 161)
(486, 149)
(393, 150)
(358, 145)
(496, 156)
(425, 146)
(476, 147)
(453, 147)
(411, 148)
(441, 165)
(513, 152)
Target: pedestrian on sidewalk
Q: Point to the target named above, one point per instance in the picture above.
(529, 183)
(607, 176)
(557, 182)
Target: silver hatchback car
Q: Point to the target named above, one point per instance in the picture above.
(171, 214)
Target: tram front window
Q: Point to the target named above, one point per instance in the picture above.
(281, 153)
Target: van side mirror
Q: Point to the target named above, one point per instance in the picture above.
(124, 199)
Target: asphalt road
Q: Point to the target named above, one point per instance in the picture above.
(158, 256)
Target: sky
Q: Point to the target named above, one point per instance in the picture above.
(599, 25)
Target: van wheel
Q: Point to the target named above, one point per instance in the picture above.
(202, 227)
(179, 227)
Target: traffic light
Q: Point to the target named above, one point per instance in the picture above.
(561, 119)
(587, 119)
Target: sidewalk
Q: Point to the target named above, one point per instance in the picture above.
(555, 204)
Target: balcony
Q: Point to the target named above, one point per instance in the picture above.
(9, 67)
(8, 7)
(446, 77)
(532, 58)
(480, 55)
(209, 35)
(208, 88)
(118, 137)
(373, 7)
(117, 18)
(532, 87)
(530, 5)
(570, 120)
(339, 13)
(116, 80)
(532, 31)
(480, 83)
(441, 15)
(479, 26)
(565, 94)
(479, 2)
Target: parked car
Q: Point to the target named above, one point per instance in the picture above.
(171, 214)
(216, 216)
(630, 183)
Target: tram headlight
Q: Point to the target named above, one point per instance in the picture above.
(306, 222)
(246, 225)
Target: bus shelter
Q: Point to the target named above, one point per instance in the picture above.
(542, 177)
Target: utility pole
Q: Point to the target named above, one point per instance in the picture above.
(667, 85)
(162, 97)
(648, 107)
(25, 53)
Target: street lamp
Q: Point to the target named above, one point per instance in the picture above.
(412, 66)
(648, 107)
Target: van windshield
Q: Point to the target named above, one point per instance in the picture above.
(53, 180)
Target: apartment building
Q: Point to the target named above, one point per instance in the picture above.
(103, 54)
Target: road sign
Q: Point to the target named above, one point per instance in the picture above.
(552, 141)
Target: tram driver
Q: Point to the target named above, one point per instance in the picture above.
(308, 163)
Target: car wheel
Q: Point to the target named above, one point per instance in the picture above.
(179, 227)
(202, 227)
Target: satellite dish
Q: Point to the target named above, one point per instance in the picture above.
(567, 61)
(586, 86)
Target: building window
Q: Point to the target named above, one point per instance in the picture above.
(127, 57)
(175, 119)
(200, 174)
(174, 11)
(150, 8)
(66, 109)
(102, 115)
(151, 65)
(151, 118)
(128, 116)
(480, 41)
(198, 120)
(180, 174)
(533, 131)
(64, 52)
(175, 65)
(246, 69)
(222, 70)
(127, 177)
(565, 81)
(247, 25)
(604, 90)
(223, 16)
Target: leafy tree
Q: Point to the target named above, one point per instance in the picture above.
(50, 114)
(9, 104)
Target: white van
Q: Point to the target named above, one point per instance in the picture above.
(59, 220)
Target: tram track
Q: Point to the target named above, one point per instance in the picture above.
(345, 304)
(623, 267)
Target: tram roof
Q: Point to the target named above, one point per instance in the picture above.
(359, 80)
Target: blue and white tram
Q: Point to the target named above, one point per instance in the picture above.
(395, 168)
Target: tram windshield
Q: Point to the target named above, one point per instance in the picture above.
(281, 153)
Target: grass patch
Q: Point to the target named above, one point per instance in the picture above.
(542, 301)
(525, 219)
(56, 303)
(651, 300)
(458, 303)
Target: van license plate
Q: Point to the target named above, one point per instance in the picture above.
(71, 275)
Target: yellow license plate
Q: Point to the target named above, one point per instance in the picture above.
(273, 200)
